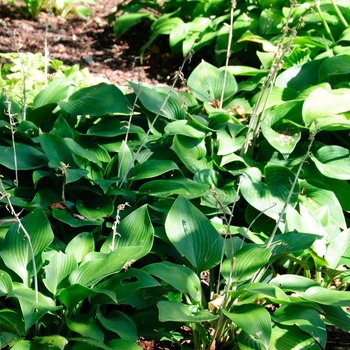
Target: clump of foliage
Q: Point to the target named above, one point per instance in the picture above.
(60, 7)
(224, 209)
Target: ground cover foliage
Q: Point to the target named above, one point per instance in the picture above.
(225, 209)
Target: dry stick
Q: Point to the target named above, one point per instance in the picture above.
(46, 47)
(12, 125)
(24, 75)
(12, 211)
(228, 53)
(177, 76)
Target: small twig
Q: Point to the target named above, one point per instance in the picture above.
(116, 223)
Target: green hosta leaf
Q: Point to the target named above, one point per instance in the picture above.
(86, 326)
(326, 296)
(326, 107)
(247, 261)
(269, 196)
(270, 291)
(338, 250)
(16, 252)
(5, 283)
(206, 83)
(128, 20)
(291, 337)
(192, 152)
(74, 221)
(186, 128)
(153, 100)
(61, 128)
(293, 283)
(59, 89)
(72, 175)
(59, 267)
(56, 150)
(180, 277)
(337, 316)
(119, 323)
(182, 186)
(333, 161)
(315, 198)
(283, 137)
(126, 283)
(134, 230)
(26, 345)
(28, 157)
(74, 294)
(193, 235)
(11, 321)
(334, 66)
(56, 341)
(32, 310)
(177, 312)
(97, 266)
(86, 343)
(8, 340)
(122, 344)
(81, 245)
(80, 151)
(109, 127)
(99, 151)
(96, 101)
(307, 320)
(151, 168)
(254, 320)
(95, 207)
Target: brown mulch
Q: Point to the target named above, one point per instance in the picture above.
(92, 44)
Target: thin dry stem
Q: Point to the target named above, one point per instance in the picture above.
(116, 223)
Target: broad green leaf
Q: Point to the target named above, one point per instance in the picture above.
(228, 142)
(81, 245)
(5, 283)
(315, 198)
(26, 345)
(87, 343)
(27, 157)
(291, 337)
(307, 320)
(99, 151)
(333, 161)
(254, 320)
(206, 83)
(96, 101)
(32, 310)
(119, 323)
(110, 127)
(246, 262)
(80, 151)
(283, 137)
(177, 312)
(193, 235)
(8, 340)
(16, 252)
(126, 283)
(128, 20)
(292, 242)
(74, 220)
(61, 128)
(270, 291)
(86, 326)
(97, 266)
(11, 321)
(269, 195)
(59, 267)
(151, 168)
(271, 20)
(94, 207)
(72, 175)
(58, 90)
(293, 283)
(122, 344)
(186, 128)
(56, 341)
(326, 108)
(180, 277)
(334, 66)
(337, 316)
(56, 150)
(326, 296)
(338, 250)
(134, 230)
(182, 186)
(266, 45)
(192, 152)
(74, 294)
(158, 102)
